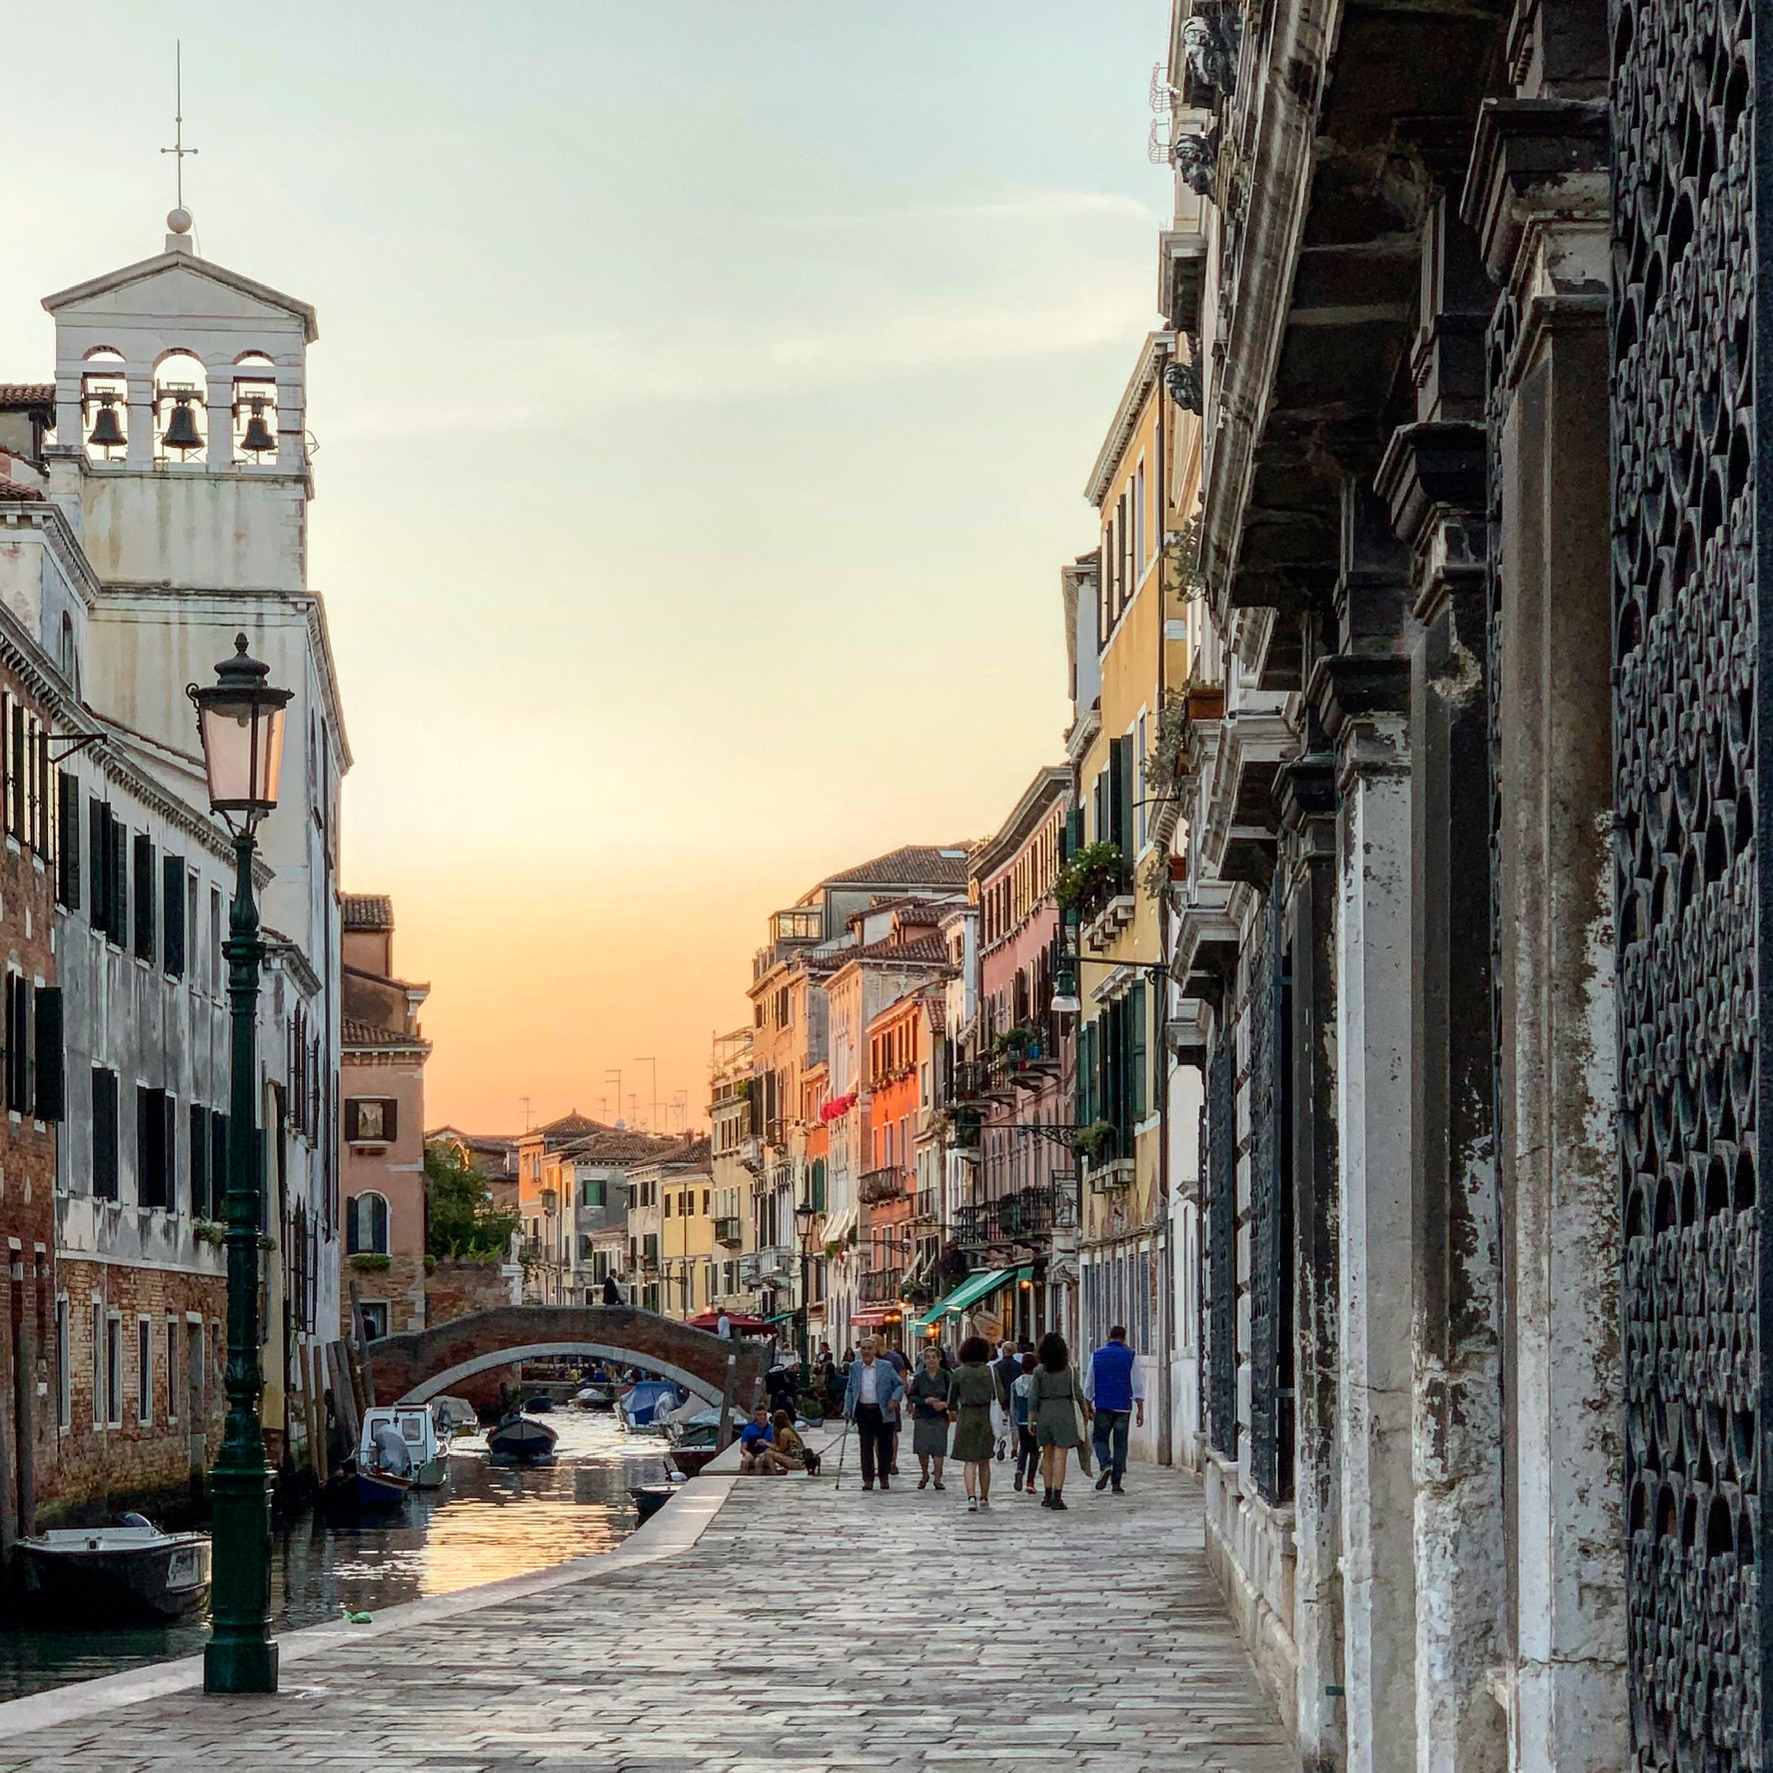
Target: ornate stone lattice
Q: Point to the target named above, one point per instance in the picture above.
(1688, 878)
(1270, 1231)
(1222, 1247)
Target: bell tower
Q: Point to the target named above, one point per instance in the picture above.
(181, 449)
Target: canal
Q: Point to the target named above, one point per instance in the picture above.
(488, 1522)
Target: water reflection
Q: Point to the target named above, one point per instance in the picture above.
(489, 1522)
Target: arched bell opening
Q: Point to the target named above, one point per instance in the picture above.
(181, 408)
(104, 405)
(255, 408)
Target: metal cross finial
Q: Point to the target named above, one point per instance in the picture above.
(178, 149)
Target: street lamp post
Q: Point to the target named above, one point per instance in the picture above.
(240, 722)
(804, 1215)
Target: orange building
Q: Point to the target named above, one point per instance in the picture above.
(898, 1084)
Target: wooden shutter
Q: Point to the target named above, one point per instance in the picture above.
(67, 862)
(97, 850)
(197, 1133)
(104, 1133)
(144, 896)
(1117, 797)
(17, 773)
(50, 1084)
(218, 1164)
(118, 928)
(351, 1120)
(1136, 1047)
(390, 1119)
(172, 915)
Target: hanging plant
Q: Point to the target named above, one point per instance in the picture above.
(1092, 1140)
(209, 1231)
(1093, 866)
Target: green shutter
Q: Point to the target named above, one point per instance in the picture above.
(1136, 1048)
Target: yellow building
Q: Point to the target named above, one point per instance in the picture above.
(1129, 653)
(671, 1220)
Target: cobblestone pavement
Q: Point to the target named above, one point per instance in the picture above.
(807, 1629)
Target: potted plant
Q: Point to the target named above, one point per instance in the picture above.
(366, 1262)
(1089, 869)
(1092, 1141)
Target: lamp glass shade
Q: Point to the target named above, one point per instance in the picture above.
(240, 722)
(1065, 1003)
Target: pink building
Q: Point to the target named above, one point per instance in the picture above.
(382, 1107)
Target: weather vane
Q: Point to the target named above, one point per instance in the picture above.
(178, 150)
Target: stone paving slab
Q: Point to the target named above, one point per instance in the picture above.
(808, 1630)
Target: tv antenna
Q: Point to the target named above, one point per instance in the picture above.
(178, 150)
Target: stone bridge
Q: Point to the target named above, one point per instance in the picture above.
(424, 1364)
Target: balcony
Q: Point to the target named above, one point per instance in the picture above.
(874, 1187)
(1029, 1216)
(751, 1154)
(777, 1262)
(928, 1204)
(729, 1229)
(880, 1286)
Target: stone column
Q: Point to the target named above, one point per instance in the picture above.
(1306, 794)
(1365, 702)
(1538, 198)
(1434, 475)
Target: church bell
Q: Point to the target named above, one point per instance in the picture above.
(106, 432)
(181, 428)
(259, 436)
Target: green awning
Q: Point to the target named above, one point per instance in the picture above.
(969, 1292)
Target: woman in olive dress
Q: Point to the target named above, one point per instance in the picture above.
(975, 1390)
(930, 1392)
(1055, 1400)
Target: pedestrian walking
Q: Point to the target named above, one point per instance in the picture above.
(1114, 1390)
(869, 1401)
(612, 1293)
(1056, 1403)
(1027, 1447)
(1007, 1369)
(975, 1391)
(931, 1394)
(902, 1367)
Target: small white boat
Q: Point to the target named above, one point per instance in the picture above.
(595, 1396)
(100, 1576)
(388, 1428)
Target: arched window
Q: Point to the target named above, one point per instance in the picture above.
(104, 404)
(255, 407)
(366, 1226)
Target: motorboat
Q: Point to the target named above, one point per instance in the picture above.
(353, 1491)
(650, 1498)
(453, 1416)
(644, 1403)
(100, 1576)
(598, 1395)
(538, 1405)
(695, 1441)
(517, 1441)
(416, 1430)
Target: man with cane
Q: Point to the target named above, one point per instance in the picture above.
(869, 1401)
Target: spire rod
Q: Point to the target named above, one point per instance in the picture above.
(178, 150)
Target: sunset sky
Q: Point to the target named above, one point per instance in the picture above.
(704, 396)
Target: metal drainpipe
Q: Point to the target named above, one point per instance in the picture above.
(1166, 1303)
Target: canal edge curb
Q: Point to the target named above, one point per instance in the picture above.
(672, 1531)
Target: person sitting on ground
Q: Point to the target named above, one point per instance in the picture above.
(757, 1453)
(789, 1447)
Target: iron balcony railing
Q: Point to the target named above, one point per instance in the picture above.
(880, 1286)
(1026, 1216)
(875, 1186)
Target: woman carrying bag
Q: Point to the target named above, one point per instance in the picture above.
(1056, 1401)
(929, 1392)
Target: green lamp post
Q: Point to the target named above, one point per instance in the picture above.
(240, 722)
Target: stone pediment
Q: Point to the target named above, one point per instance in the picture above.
(180, 286)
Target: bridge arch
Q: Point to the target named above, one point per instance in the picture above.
(422, 1364)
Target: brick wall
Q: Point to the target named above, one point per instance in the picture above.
(101, 1466)
(454, 1289)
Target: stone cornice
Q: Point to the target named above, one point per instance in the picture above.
(42, 514)
(1533, 160)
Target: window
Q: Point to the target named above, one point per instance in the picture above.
(218, 1164)
(144, 896)
(114, 1370)
(67, 859)
(214, 972)
(155, 1146)
(49, 1077)
(592, 1192)
(667, 1206)
(366, 1226)
(197, 1131)
(98, 1364)
(375, 1315)
(172, 1369)
(118, 863)
(371, 1120)
(64, 1367)
(18, 1044)
(144, 1371)
(104, 1133)
(172, 915)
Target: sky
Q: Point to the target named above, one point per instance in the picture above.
(704, 398)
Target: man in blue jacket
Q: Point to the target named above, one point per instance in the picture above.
(871, 1401)
(1114, 1387)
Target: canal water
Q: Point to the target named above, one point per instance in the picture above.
(488, 1522)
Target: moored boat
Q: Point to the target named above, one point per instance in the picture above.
(595, 1396)
(101, 1576)
(642, 1403)
(650, 1498)
(402, 1439)
(517, 1441)
(350, 1491)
